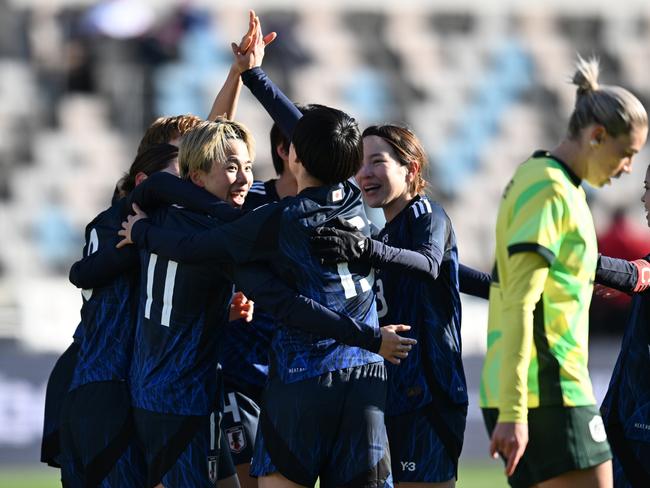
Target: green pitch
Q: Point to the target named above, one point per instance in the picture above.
(472, 475)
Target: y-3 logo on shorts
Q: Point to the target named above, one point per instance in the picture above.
(408, 465)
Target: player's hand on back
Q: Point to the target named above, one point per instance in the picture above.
(509, 439)
(250, 51)
(343, 243)
(241, 308)
(394, 347)
(128, 224)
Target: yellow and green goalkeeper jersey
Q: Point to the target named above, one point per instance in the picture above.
(544, 210)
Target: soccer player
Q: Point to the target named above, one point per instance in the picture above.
(96, 424)
(244, 350)
(626, 408)
(98, 269)
(162, 131)
(323, 405)
(417, 283)
(536, 393)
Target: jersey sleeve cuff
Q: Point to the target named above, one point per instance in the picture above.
(139, 230)
(643, 275)
(516, 416)
(545, 252)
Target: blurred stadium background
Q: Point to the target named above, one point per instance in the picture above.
(483, 84)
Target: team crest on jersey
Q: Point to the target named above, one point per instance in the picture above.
(597, 429)
(337, 195)
(212, 468)
(236, 439)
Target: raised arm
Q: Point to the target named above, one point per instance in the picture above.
(279, 107)
(225, 104)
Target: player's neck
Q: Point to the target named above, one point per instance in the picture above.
(571, 154)
(393, 209)
(286, 185)
(305, 180)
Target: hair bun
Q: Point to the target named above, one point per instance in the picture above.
(586, 75)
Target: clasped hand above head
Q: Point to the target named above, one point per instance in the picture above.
(250, 51)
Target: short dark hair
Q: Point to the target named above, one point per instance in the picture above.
(328, 143)
(153, 158)
(277, 138)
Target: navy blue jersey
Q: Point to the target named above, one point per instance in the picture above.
(431, 307)
(626, 407)
(106, 330)
(244, 347)
(181, 309)
(279, 235)
(261, 193)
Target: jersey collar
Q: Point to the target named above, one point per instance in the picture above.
(546, 154)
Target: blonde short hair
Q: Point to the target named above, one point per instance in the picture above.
(208, 142)
(613, 107)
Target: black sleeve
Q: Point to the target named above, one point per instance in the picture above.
(619, 274)
(430, 231)
(279, 107)
(423, 260)
(162, 189)
(250, 238)
(297, 311)
(103, 266)
(474, 282)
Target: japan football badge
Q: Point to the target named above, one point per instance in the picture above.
(236, 439)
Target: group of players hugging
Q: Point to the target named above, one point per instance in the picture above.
(237, 332)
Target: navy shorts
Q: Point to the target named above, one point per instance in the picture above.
(97, 441)
(57, 388)
(331, 426)
(220, 465)
(631, 452)
(417, 452)
(239, 424)
(180, 450)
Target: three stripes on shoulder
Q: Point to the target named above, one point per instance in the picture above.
(421, 208)
(258, 187)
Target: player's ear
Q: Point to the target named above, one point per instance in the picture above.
(140, 177)
(197, 178)
(282, 151)
(597, 135)
(412, 171)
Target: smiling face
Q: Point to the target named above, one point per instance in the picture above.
(384, 181)
(613, 156)
(230, 180)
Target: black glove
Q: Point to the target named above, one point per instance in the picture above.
(340, 244)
